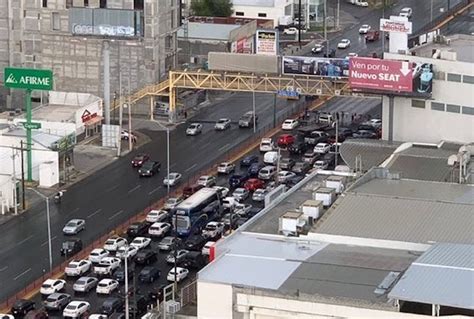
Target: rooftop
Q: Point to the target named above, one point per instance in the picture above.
(462, 44)
(372, 152)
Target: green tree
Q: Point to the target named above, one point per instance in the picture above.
(212, 8)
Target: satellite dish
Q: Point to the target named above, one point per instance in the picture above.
(453, 159)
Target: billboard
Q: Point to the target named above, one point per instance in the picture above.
(244, 45)
(387, 25)
(266, 42)
(369, 74)
(315, 66)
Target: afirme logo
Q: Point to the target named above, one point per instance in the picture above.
(11, 79)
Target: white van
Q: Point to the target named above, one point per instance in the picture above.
(326, 118)
(266, 145)
(267, 172)
(229, 202)
(270, 157)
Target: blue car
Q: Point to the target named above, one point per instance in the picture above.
(237, 180)
(255, 168)
(249, 160)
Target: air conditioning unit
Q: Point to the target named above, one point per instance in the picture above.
(172, 306)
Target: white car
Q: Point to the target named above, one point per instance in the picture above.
(240, 194)
(207, 247)
(98, 254)
(106, 286)
(266, 145)
(213, 230)
(322, 148)
(194, 129)
(362, 4)
(85, 284)
(159, 229)
(290, 31)
(181, 274)
(344, 44)
(125, 135)
(107, 266)
(318, 48)
(223, 191)
(180, 254)
(172, 202)
(78, 267)
(206, 181)
(127, 252)
(283, 176)
(225, 168)
(6, 316)
(352, 55)
(259, 195)
(74, 226)
(141, 242)
(114, 243)
(172, 179)
(406, 12)
(50, 286)
(321, 165)
(75, 309)
(229, 202)
(222, 124)
(242, 209)
(364, 29)
(374, 122)
(289, 124)
(155, 216)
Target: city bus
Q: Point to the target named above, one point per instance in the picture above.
(196, 211)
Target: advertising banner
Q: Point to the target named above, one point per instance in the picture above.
(266, 42)
(315, 66)
(369, 74)
(387, 25)
(33, 79)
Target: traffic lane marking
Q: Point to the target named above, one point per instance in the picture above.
(116, 214)
(22, 274)
(4, 268)
(225, 146)
(52, 238)
(156, 189)
(111, 188)
(190, 168)
(134, 189)
(24, 240)
(94, 213)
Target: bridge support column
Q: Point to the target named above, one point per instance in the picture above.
(152, 106)
(172, 112)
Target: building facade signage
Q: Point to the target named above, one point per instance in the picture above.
(104, 30)
(387, 25)
(266, 42)
(32, 79)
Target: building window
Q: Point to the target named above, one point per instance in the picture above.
(439, 75)
(418, 103)
(138, 4)
(103, 4)
(468, 79)
(45, 3)
(55, 21)
(437, 106)
(454, 77)
(239, 13)
(262, 15)
(69, 4)
(86, 3)
(468, 110)
(453, 108)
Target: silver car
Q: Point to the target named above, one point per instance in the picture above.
(259, 195)
(85, 284)
(74, 226)
(57, 301)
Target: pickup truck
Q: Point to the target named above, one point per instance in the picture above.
(316, 137)
(107, 266)
(213, 230)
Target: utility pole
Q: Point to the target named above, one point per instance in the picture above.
(383, 32)
(337, 139)
(14, 182)
(127, 316)
(106, 61)
(325, 28)
(338, 13)
(299, 23)
(254, 113)
(274, 109)
(119, 145)
(130, 137)
(23, 200)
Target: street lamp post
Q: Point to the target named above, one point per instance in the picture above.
(49, 227)
(127, 315)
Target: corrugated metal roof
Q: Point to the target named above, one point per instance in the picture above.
(372, 152)
(399, 219)
(449, 192)
(421, 168)
(427, 151)
(443, 275)
(208, 31)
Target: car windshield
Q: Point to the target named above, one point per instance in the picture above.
(239, 191)
(259, 192)
(110, 242)
(71, 224)
(222, 121)
(51, 299)
(172, 176)
(71, 307)
(193, 126)
(72, 266)
(211, 227)
(148, 165)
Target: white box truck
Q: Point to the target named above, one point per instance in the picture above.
(336, 182)
(325, 194)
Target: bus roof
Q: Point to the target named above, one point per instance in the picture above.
(199, 196)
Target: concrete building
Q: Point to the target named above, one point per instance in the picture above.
(449, 114)
(69, 36)
(377, 252)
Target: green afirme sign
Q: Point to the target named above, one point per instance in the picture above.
(32, 79)
(32, 125)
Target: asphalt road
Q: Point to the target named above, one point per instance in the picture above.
(420, 17)
(114, 194)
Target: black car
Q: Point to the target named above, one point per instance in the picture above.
(119, 274)
(137, 306)
(366, 127)
(253, 211)
(298, 147)
(21, 307)
(347, 132)
(194, 260)
(329, 158)
(290, 182)
(111, 305)
(238, 180)
(149, 168)
(195, 242)
(254, 169)
(157, 293)
(287, 163)
(138, 229)
(149, 274)
(249, 160)
(71, 247)
(365, 134)
(145, 257)
(301, 168)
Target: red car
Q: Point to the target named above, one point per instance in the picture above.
(285, 140)
(140, 159)
(253, 184)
